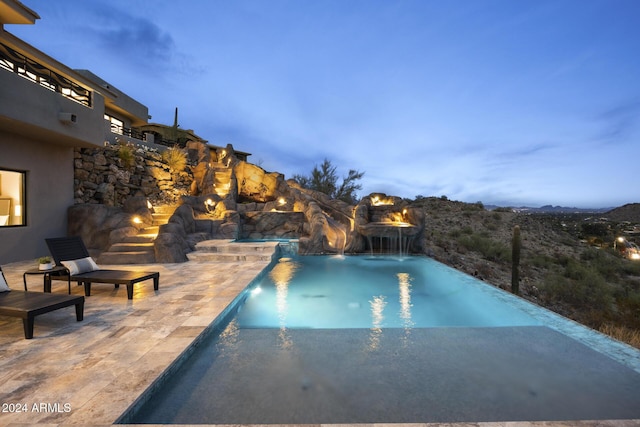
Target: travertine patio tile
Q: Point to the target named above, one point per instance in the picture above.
(101, 365)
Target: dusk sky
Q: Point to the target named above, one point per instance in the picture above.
(508, 102)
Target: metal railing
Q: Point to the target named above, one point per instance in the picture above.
(31, 70)
(142, 136)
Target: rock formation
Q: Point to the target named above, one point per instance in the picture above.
(222, 197)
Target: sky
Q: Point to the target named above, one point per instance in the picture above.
(508, 102)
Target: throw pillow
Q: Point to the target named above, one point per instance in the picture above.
(79, 266)
(3, 283)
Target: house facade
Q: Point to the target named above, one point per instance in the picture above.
(47, 110)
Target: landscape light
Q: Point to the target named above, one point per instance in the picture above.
(136, 220)
(208, 204)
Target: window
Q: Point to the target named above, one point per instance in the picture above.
(117, 126)
(12, 198)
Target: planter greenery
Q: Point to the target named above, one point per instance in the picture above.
(44, 263)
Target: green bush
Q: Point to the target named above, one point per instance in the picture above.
(126, 155)
(590, 291)
(490, 249)
(175, 158)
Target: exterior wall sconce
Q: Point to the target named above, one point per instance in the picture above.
(67, 118)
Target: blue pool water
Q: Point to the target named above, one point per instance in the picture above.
(366, 292)
(383, 340)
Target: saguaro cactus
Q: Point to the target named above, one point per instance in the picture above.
(516, 244)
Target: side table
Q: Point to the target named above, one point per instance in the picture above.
(57, 270)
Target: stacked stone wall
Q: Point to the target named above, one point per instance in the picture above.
(110, 175)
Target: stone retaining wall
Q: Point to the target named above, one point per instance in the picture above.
(110, 175)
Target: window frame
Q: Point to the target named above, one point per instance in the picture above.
(23, 198)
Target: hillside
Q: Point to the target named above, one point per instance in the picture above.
(629, 212)
(558, 270)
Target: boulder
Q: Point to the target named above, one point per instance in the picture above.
(170, 248)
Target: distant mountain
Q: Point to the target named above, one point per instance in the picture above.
(554, 209)
(629, 212)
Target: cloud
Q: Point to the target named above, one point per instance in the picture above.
(131, 40)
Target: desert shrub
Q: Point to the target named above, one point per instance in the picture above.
(606, 262)
(126, 155)
(540, 261)
(473, 207)
(175, 158)
(622, 333)
(576, 270)
(467, 230)
(589, 292)
(490, 249)
(631, 268)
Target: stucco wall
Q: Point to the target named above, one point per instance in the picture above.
(49, 191)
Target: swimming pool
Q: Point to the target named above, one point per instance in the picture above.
(378, 339)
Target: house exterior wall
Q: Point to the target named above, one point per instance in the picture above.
(28, 108)
(49, 192)
(37, 140)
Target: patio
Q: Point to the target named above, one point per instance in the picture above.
(89, 372)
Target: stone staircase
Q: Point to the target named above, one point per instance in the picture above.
(229, 251)
(138, 249)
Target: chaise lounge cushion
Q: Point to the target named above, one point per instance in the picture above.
(79, 266)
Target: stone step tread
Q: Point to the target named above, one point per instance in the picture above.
(233, 247)
(227, 257)
(134, 257)
(165, 209)
(140, 238)
(161, 217)
(131, 247)
(150, 230)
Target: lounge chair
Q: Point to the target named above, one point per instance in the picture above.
(72, 253)
(28, 305)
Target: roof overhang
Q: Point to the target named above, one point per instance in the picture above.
(14, 12)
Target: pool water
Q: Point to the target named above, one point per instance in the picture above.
(367, 292)
(383, 340)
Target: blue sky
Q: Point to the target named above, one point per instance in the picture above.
(510, 102)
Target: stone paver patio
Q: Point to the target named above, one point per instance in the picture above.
(88, 373)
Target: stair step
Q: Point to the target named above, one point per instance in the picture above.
(165, 209)
(140, 238)
(159, 219)
(131, 247)
(227, 257)
(226, 246)
(154, 229)
(135, 257)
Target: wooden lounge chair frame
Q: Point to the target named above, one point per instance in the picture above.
(72, 248)
(28, 305)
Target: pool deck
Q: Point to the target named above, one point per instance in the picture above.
(88, 373)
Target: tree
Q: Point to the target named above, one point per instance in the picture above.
(324, 178)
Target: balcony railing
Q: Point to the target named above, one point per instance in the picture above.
(31, 70)
(142, 136)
